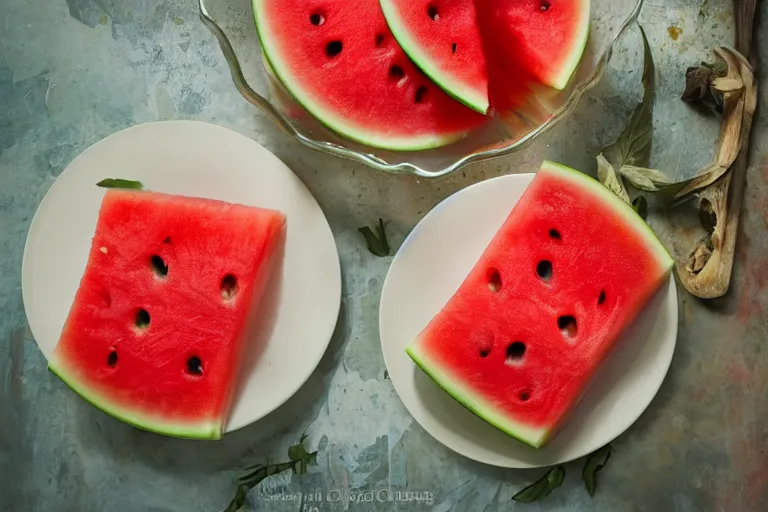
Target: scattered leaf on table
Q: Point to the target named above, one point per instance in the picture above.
(377, 241)
(120, 183)
(299, 455)
(300, 460)
(633, 146)
(542, 487)
(642, 178)
(606, 174)
(595, 462)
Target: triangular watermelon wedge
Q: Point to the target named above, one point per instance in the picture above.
(339, 60)
(498, 49)
(545, 39)
(443, 39)
(520, 340)
(158, 326)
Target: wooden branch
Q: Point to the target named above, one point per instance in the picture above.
(707, 272)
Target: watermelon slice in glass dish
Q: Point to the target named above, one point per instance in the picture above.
(159, 323)
(333, 104)
(543, 38)
(545, 305)
(338, 59)
(443, 39)
(515, 45)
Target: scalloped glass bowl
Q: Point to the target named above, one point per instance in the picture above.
(232, 23)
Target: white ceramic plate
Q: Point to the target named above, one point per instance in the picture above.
(428, 269)
(204, 160)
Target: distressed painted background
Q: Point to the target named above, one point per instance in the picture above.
(75, 71)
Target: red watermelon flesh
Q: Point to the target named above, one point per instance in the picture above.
(543, 39)
(340, 61)
(157, 327)
(571, 267)
(443, 39)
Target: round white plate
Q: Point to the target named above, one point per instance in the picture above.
(196, 159)
(428, 269)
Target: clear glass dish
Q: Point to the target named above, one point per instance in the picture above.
(232, 23)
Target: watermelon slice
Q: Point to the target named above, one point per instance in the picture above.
(520, 340)
(544, 39)
(443, 39)
(158, 323)
(339, 60)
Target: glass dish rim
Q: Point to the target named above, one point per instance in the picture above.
(372, 161)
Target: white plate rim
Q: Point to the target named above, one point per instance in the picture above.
(400, 386)
(333, 271)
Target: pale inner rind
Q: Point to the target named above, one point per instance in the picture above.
(200, 429)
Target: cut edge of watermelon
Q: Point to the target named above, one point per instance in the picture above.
(532, 436)
(469, 96)
(615, 203)
(328, 118)
(569, 64)
(204, 429)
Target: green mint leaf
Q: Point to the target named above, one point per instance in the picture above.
(640, 204)
(255, 473)
(542, 487)
(377, 241)
(633, 146)
(239, 499)
(556, 477)
(120, 183)
(300, 461)
(297, 452)
(596, 461)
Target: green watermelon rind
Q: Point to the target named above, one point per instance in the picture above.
(535, 437)
(568, 68)
(204, 430)
(330, 119)
(440, 374)
(458, 90)
(615, 203)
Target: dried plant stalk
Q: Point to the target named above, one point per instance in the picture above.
(706, 273)
(739, 90)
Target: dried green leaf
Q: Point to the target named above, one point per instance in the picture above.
(640, 204)
(542, 487)
(633, 146)
(646, 179)
(596, 461)
(377, 241)
(606, 174)
(120, 183)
